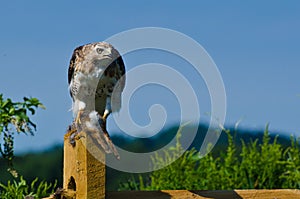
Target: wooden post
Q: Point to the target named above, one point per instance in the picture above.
(84, 175)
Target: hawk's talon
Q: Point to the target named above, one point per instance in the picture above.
(72, 140)
(78, 136)
(74, 137)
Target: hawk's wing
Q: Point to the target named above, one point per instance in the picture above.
(116, 70)
(72, 66)
(120, 72)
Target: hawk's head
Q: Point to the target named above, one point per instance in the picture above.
(99, 53)
(92, 56)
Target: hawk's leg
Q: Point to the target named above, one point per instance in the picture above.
(80, 106)
(77, 119)
(108, 110)
(76, 128)
(106, 113)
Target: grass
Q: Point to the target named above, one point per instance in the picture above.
(20, 189)
(259, 164)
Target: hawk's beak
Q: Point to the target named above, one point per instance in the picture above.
(107, 56)
(107, 52)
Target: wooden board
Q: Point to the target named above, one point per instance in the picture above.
(183, 194)
(84, 174)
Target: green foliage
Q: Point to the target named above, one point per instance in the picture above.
(132, 184)
(20, 189)
(14, 118)
(262, 165)
(259, 164)
(176, 172)
(291, 176)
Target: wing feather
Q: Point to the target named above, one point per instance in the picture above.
(121, 75)
(72, 65)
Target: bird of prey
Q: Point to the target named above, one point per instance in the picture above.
(96, 78)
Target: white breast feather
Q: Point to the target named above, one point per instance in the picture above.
(86, 88)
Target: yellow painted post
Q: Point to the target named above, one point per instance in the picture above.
(84, 175)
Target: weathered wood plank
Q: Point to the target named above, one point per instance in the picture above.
(83, 173)
(183, 194)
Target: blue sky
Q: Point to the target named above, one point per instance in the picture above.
(255, 45)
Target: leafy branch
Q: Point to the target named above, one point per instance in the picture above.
(14, 119)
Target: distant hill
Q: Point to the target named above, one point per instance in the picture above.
(165, 136)
(47, 165)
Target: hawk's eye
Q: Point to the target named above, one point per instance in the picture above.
(99, 50)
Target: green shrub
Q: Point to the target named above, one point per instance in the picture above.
(14, 118)
(20, 189)
(259, 164)
(291, 175)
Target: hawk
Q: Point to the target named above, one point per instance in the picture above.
(96, 70)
